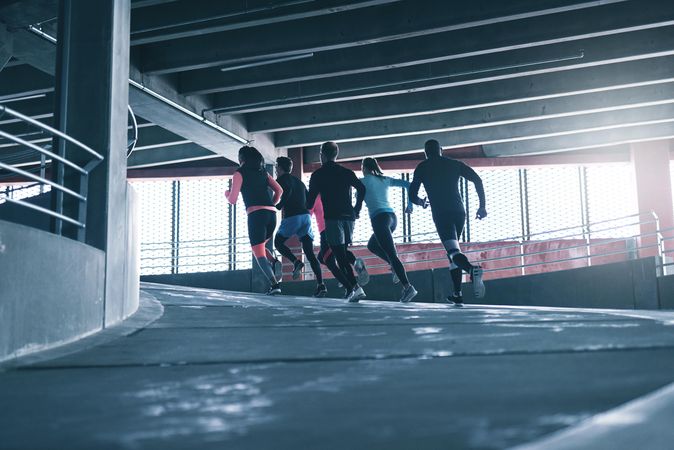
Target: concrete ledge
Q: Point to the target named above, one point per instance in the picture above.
(643, 423)
(666, 292)
(51, 290)
(623, 285)
(149, 311)
(233, 280)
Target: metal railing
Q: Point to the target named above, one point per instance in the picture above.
(596, 242)
(59, 161)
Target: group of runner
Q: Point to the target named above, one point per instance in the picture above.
(329, 199)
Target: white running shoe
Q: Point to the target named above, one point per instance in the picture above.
(408, 294)
(478, 285)
(274, 290)
(361, 272)
(357, 295)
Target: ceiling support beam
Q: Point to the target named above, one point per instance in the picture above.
(347, 29)
(502, 92)
(566, 28)
(568, 127)
(477, 118)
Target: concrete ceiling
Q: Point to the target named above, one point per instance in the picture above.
(382, 76)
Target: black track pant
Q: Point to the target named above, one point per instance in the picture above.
(381, 243)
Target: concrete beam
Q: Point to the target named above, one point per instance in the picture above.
(566, 27)
(41, 55)
(348, 29)
(199, 17)
(566, 126)
(23, 81)
(39, 108)
(169, 155)
(517, 90)
(155, 137)
(479, 118)
(6, 46)
(593, 139)
(19, 14)
(525, 62)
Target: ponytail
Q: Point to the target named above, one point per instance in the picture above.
(371, 165)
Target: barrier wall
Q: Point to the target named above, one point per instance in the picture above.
(629, 284)
(51, 290)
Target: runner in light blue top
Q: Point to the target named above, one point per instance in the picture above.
(384, 221)
(376, 194)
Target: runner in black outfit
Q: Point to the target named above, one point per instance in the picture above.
(254, 184)
(296, 222)
(333, 183)
(440, 177)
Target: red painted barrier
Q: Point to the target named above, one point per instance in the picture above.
(538, 257)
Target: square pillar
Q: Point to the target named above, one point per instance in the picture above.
(654, 188)
(92, 92)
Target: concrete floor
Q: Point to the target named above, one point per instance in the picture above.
(239, 371)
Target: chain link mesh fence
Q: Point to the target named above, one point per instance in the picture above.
(188, 226)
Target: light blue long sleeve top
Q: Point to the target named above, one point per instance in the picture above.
(376, 192)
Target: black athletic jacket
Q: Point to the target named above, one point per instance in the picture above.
(440, 177)
(294, 199)
(334, 182)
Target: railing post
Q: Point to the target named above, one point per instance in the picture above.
(588, 244)
(523, 269)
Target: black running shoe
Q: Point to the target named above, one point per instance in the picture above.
(275, 289)
(456, 300)
(297, 269)
(321, 291)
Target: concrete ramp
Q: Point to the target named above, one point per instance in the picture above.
(229, 370)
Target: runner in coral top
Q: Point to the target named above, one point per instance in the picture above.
(254, 184)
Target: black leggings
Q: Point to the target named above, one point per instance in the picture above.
(307, 248)
(327, 257)
(381, 243)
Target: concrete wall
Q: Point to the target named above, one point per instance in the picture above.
(233, 280)
(51, 290)
(666, 291)
(625, 285)
(11, 212)
(52, 287)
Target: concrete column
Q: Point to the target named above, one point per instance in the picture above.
(91, 105)
(654, 186)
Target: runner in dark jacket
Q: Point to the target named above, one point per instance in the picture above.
(440, 177)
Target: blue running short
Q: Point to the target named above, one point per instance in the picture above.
(299, 226)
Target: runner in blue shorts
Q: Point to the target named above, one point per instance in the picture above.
(296, 222)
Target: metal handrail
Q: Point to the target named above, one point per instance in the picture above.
(55, 158)
(52, 131)
(583, 232)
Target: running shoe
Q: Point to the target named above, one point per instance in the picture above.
(275, 289)
(478, 284)
(408, 294)
(297, 269)
(321, 291)
(277, 266)
(396, 280)
(357, 295)
(347, 293)
(361, 272)
(456, 300)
